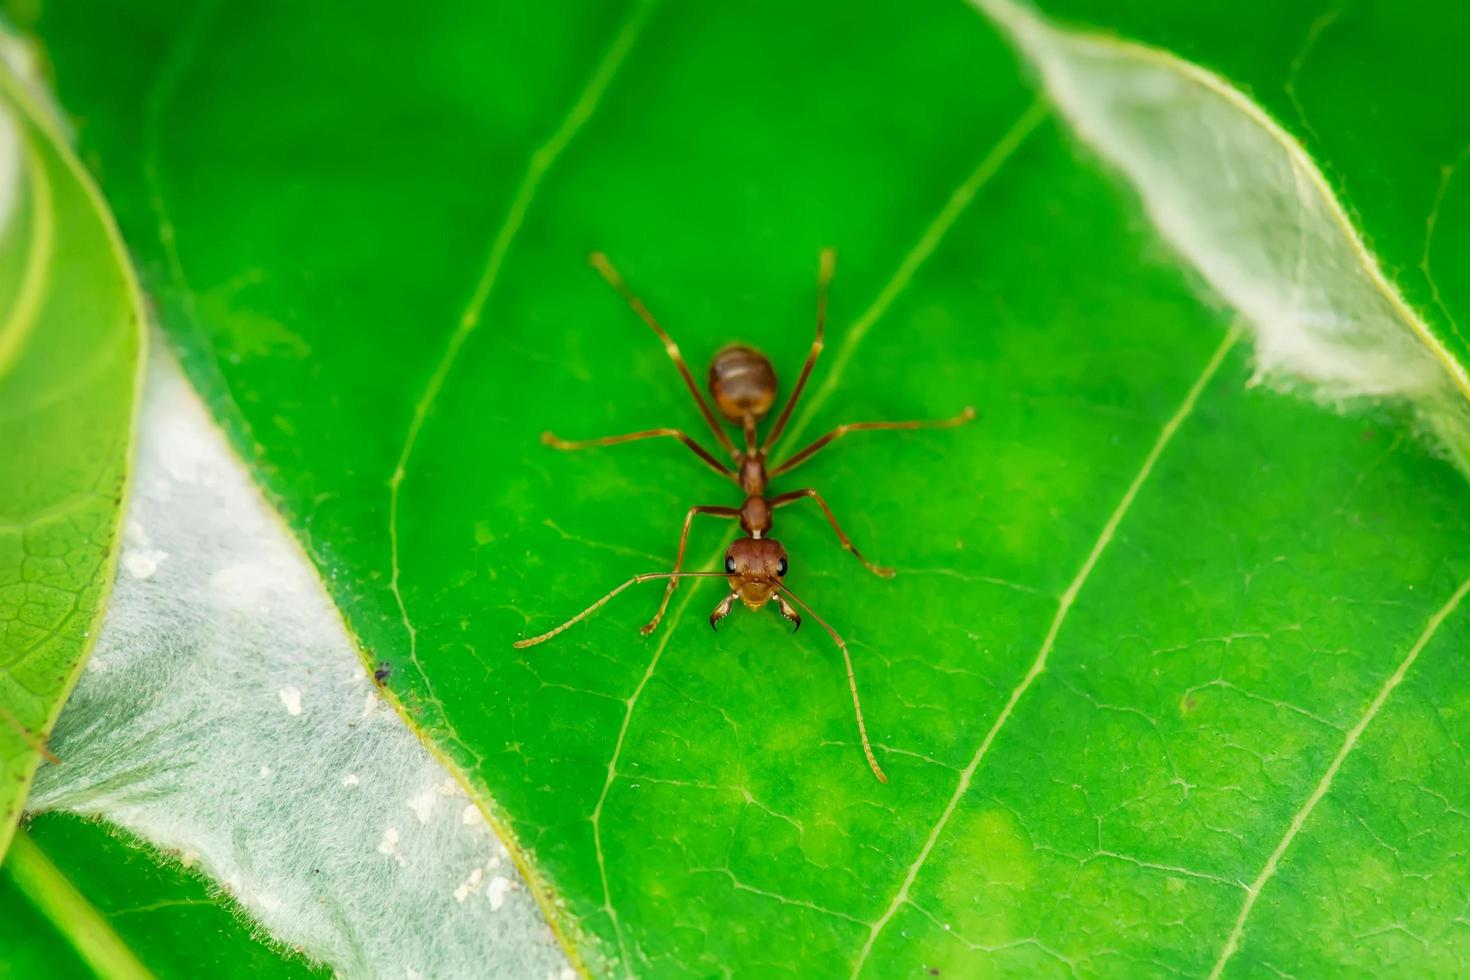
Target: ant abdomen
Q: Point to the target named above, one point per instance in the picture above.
(743, 383)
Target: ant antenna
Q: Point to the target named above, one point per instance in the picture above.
(857, 705)
(645, 577)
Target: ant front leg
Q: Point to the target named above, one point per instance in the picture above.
(795, 495)
(679, 558)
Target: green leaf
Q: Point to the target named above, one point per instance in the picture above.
(69, 348)
(1169, 677)
(74, 886)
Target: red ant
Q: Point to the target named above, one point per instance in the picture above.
(743, 384)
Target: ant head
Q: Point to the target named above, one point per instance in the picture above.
(754, 567)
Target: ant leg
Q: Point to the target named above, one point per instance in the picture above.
(679, 558)
(795, 495)
(698, 450)
(857, 703)
(796, 460)
(825, 266)
(602, 265)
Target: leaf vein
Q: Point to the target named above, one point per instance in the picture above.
(959, 200)
(1064, 606)
(1324, 785)
(541, 161)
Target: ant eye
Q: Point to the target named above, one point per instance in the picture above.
(730, 564)
(781, 568)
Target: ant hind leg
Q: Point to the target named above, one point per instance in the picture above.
(825, 266)
(556, 442)
(615, 280)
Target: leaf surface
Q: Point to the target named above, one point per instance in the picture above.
(1168, 679)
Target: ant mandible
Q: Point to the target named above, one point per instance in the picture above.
(743, 384)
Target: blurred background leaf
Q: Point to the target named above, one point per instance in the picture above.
(167, 919)
(70, 337)
(1163, 648)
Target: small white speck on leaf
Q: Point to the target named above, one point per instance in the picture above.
(499, 885)
(350, 779)
(471, 816)
(422, 805)
(141, 563)
(265, 772)
(471, 885)
(291, 697)
(389, 846)
(370, 704)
